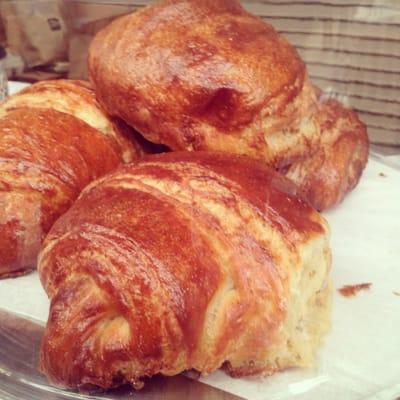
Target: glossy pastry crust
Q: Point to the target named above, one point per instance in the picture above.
(54, 140)
(46, 159)
(335, 169)
(206, 75)
(77, 98)
(184, 261)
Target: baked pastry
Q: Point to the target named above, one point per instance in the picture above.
(206, 75)
(184, 261)
(77, 98)
(46, 158)
(335, 169)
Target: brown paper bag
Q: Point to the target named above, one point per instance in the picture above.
(36, 30)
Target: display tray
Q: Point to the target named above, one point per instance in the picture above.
(359, 358)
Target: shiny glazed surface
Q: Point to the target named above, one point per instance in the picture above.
(205, 75)
(76, 97)
(179, 261)
(46, 158)
(54, 139)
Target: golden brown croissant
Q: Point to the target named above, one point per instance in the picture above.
(184, 261)
(206, 75)
(76, 98)
(335, 169)
(46, 158)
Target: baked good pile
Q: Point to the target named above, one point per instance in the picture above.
(210, 255)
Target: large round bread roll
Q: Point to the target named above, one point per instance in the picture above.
(206, 75)
(184, 261)
(54, 140)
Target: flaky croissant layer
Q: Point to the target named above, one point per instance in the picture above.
(206, 75)
(184, 261)
(336, 167)
(54, 140)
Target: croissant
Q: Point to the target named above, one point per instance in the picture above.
(54, 140)
(336, 167)
(207, 75)
(184, 261)
(78, 99)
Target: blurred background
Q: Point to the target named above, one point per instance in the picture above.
(351, 47)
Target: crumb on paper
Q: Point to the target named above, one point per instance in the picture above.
(352, 290)
(396, 293)
(382, 175)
